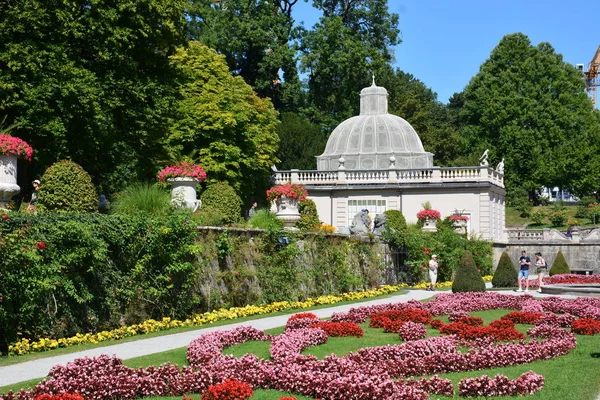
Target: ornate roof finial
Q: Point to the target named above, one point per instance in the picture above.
(373, 80)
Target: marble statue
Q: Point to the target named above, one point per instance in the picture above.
(483, 160)
(360, 223)
(500, 166)
(379, 223)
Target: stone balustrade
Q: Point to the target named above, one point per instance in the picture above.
(386, 176)
(552, 235)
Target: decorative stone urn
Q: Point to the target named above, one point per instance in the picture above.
(8, 179)
(429, 225)
(460, 226)
(287, 211)
(183, 192)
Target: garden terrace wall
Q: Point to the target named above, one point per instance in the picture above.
(63, 274)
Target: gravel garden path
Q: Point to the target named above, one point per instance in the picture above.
(38, 369)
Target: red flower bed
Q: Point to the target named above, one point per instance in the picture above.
(469, 332)
(585, 326)
(381, 319)
(303, 315)
(519, 317)
(339, 329)
(64, 396)
(436, 323)
(502, 324)
(473, 321)
(231, 389)
(566, 279)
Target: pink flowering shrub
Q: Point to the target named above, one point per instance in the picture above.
(412, 331)
(484, 386)
(63, 396)
(13, 146)
(457, 315)
(182, 169)
(289, 190)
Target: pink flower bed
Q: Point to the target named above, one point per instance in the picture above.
(384, 372)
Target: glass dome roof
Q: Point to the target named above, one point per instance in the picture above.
(369, 140)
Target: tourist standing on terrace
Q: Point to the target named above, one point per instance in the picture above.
(524, 263)
(433, 271)
(541, 265)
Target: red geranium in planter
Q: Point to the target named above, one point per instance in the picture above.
(13, 146)
(429, 214)
(289, 190)
(182, 169)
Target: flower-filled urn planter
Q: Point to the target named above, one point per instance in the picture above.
(459, 223)
(287, 198)
(11, 148)
(429, 219)
(183, 177)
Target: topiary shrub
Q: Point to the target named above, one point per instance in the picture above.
(560, 265)
(506, 274)
(467, 277)
(395, 228)
(67, 187)
(309, 218)
(220, 200)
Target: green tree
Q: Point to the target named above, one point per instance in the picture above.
(300, 142)
(528, 106)
(90, 81)
(234, 129)
(467, 277)
(506, 273)
(258, 40)
(352, 40)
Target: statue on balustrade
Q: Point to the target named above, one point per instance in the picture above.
(379, 223)
(361, 223)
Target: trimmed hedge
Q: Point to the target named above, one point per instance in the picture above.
(67, 187)
(309, 218)
(467, 277)
(506, 274)
(560, 265)
(221, 201)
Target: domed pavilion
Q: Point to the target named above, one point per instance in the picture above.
(376, 161)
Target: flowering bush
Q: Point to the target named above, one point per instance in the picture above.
(431, 214)
(289, 190)
(456, 217)
(586, 326)
(63, 396)
(412, 331)
(231, 389)
(13, 146)
(339, 329)
(484, 386)
(182, 169)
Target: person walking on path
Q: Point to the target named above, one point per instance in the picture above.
(540, 265)
(524, 263)
(433, 271)
(252, 210)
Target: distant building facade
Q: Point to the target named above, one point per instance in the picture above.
(376, 161)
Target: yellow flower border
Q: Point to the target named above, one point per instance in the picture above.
(26, 346)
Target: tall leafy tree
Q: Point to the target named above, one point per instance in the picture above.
(300, 142)
(352, 40)
(527, 105)
(90, 80)
(258, 40)
(233, 129)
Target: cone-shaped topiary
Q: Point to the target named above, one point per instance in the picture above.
(66, 187)
(560, 265)
(220, 200)
(395, 228)
(309, 218)
(506, 274)
(467, 277)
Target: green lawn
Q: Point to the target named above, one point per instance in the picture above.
(513, 218)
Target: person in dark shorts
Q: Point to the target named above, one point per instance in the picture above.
(524, 263)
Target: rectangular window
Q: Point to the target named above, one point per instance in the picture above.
(374, 206)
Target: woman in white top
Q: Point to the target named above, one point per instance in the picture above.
(540, 266)
(433, 271)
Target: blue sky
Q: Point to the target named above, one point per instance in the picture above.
(445, 41)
